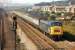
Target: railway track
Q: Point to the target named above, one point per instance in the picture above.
(37, 37)
(2, 16)
(8, 36)
(1, 32)
(64, 45)
(35, 34)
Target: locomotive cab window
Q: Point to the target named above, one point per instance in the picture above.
(56, 24)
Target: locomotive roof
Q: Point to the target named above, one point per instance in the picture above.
(48, 22)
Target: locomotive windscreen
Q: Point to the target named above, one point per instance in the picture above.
(54, 23)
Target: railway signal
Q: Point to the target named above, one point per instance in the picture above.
(14, 22)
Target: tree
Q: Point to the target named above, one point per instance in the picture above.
(47, 14)
(58, 14)
(52, 16)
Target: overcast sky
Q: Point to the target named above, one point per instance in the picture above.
(25, 1)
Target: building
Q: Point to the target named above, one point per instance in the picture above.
(42, 6)
(57, 6)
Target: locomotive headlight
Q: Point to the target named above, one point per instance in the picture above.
(56, 30)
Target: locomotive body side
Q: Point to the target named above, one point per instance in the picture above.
(43, 25)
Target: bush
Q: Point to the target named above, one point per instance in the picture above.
(68, 14)
(18, 39)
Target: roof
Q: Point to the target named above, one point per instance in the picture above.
(43, 4)
(61, 3)
(48, 22)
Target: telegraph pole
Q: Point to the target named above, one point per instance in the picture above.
(15, 27)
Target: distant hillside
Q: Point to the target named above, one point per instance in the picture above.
(59, 3)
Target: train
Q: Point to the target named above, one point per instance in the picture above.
(54, 29)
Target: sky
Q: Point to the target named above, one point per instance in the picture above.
(25, 1)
